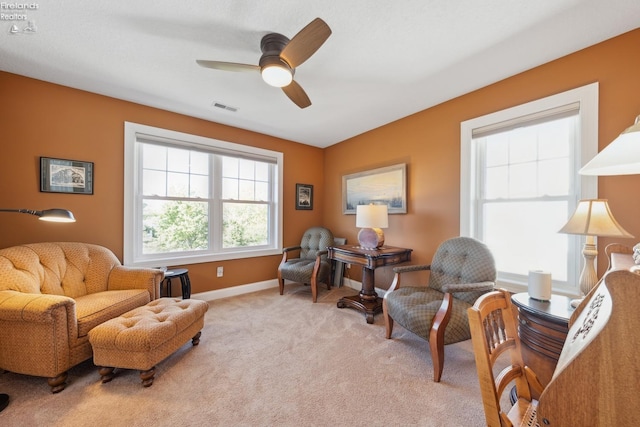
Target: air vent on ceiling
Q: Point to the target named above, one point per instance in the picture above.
(225, 107)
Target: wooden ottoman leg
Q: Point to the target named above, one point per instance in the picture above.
(147, 376)
(106, 374)
(196, 338)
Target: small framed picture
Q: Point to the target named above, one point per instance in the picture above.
(66, 176)
(304, 197)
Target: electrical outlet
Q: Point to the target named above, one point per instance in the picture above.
(220, 271)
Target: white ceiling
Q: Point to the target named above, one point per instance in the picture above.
(384, 60)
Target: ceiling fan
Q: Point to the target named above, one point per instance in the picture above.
(280, 57)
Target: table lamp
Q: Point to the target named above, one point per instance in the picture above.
(371, 219)
(592, 217)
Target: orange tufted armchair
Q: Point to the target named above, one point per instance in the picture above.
(52, 294)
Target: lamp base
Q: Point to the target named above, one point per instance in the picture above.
(371, 238)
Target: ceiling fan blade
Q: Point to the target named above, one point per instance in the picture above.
(306, 42)
(227, 66)
(295, 93)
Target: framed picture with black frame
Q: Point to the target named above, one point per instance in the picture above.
(66, 176)
(304, 197)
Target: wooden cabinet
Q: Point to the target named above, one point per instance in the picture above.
(543, 328)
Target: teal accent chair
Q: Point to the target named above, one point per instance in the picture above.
(461, 271)
(312, 265)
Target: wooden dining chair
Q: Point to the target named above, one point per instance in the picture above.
(494, 333)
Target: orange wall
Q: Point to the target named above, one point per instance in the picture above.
(429, 142)
(43, 119)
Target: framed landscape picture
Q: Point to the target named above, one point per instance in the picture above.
(386, 185)
(66, 176)
(304, 197)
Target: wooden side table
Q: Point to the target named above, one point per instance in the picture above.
(177, 273)
(367, 300)
(542, 328)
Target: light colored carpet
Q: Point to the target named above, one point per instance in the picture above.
(269, 360)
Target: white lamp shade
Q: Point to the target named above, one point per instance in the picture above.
(594, 218)
(372, 216)
(621, 157)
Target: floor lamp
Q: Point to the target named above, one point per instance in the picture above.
(52, 215)
(621, 157)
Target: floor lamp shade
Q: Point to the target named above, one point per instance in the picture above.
(621, 157)
(371, 219)
(52, 215)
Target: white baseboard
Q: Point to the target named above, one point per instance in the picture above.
(259, 286)
(235, 290)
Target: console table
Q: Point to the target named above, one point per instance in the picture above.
(367, 300)
(542, 328)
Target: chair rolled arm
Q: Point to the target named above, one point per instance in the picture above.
(123, 278)
(468, 287)
(38, 308)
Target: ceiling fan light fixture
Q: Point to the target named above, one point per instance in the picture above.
(276, 75)
(275, 72)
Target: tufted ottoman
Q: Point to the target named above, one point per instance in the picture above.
(143, 337)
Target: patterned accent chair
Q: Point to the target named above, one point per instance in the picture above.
(312, 265)
(462, 270)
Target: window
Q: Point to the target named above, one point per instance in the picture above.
(520, 184)
(191, 199)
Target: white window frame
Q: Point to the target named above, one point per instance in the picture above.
(134, 134)
(585, 187)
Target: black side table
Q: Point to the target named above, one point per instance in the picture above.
(183, 275)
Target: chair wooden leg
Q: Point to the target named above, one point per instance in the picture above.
(388, 321)
(57, 383)
(436, 335)
(280, 283)
(437, 355)
(314, 289)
